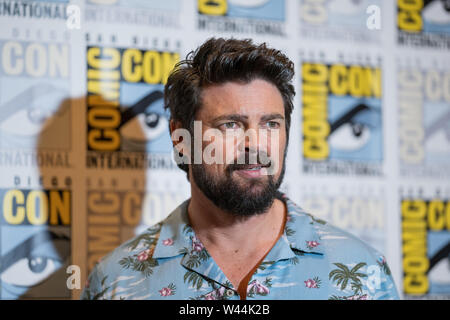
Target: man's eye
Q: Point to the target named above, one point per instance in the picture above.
(229, 125)
(273, 125)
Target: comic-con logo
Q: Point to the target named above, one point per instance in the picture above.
(342, 121)
(125, 110)
(35, 88)
(424, 121)
(424, 22)
(241, 16)
(35, 242)
(426, 246)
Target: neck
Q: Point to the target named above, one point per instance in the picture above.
(220, 229)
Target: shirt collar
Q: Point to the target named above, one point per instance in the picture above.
(299, 237)
(301, 229)
(173, 237)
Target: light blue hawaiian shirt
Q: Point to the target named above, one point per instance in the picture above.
(311, 260)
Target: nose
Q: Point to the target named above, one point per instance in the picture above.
(255, 145)
(251, 140)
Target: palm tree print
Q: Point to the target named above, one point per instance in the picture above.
(343, 276)
(143, 261)
(99, 295)
(195, 256)
(194, 278)
(148, 238)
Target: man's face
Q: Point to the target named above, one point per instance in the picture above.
(246, 124)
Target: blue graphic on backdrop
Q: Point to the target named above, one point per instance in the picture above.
(145, 123)
(437, 132)
(240, 16)
(32, 262)
(439, 257)
(356, 129)
(259, 9)
(28, 109)
(436, 16)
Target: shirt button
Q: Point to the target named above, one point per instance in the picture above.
(229, 293)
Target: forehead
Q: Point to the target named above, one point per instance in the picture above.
(253, 99)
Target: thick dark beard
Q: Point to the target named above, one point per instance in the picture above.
(231, 197)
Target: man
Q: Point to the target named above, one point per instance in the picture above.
(237, 237)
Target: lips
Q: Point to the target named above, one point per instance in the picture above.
(251, 171)
(235, 167)
(251, 167)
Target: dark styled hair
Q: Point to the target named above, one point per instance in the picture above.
(225, 60)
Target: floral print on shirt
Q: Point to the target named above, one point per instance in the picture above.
(311, 260)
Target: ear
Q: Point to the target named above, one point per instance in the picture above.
(181, 140)
(173, 125)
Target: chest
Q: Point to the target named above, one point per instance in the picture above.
(237, 266)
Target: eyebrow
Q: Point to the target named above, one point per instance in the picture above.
(240, 117)
(272, 116)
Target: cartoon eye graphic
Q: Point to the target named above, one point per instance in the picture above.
(248, 3)
(353, 129)
(346, 6)
(446, 4)
(437, 135)
(350, 136)
(145, 127)
(32, 111)
(140, 122)
(35, 259)
(439, 270)
(28, 272)
(38, 116)
(436, 11)
(155, 124)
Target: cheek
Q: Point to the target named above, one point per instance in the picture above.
(277, 148)
(276, 144)
(230, 148)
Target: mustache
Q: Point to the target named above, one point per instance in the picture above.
(250, 160)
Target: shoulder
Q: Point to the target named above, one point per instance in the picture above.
(335, 242)
(118, 265)
(141, 247)
(355, 270)
(367, 269)
(340, 244)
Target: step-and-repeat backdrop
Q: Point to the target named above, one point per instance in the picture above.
(86, 157)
